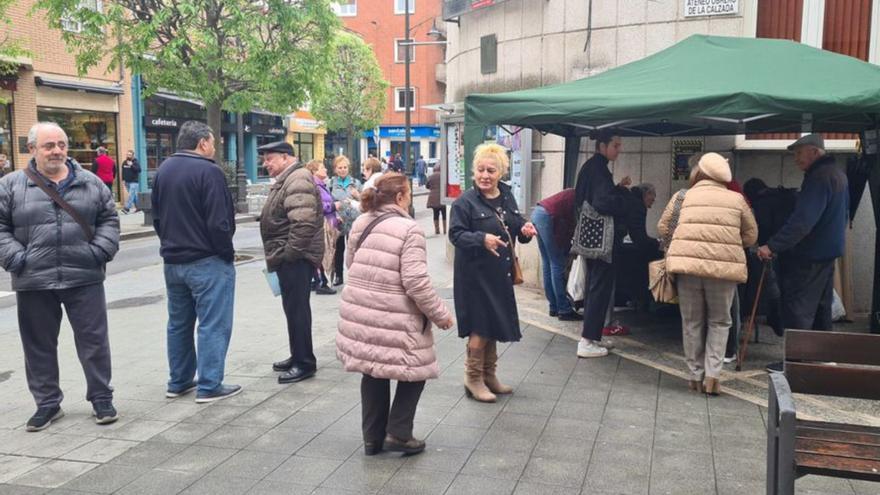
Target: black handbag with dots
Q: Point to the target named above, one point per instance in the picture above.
(594, 234)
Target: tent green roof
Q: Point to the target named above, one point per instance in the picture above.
(704, 85)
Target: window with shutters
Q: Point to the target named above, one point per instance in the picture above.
(488, 54)
(400, 99)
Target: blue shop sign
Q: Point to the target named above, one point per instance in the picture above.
(416, 131)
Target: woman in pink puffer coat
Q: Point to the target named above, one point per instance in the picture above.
(385, 315)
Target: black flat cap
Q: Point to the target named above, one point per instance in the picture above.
(276, 147)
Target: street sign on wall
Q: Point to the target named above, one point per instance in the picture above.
(697, 8)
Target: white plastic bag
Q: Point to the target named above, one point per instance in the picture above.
(274, 283)
(838, 312)
(574, 288)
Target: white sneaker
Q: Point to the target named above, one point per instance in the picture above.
(605, 342)
(728, 360)
(590, 349)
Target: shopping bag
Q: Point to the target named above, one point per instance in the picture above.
(574, 288)
(661, 283)
(272, 280)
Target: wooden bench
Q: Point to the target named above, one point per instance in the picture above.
(822, 363)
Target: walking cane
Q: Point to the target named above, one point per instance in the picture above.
(741, 355)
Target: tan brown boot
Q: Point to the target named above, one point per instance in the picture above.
(437, 227)
(489, 364)
(711, 386)
(696, 386)
(474, 386)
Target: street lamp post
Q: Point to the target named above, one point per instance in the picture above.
(407, 91)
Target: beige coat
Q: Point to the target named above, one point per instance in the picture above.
(714, 226)
(388, 302)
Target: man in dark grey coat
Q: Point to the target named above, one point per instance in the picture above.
(55, 262)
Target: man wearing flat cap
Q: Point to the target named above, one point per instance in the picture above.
(292, 228)
(812, 238)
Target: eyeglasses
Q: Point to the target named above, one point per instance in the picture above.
(62, 145)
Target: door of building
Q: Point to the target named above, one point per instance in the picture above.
(160, 145)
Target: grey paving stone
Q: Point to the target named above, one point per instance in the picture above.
(7, 489)
(466, 414)
(824, 484)
(532, 488)
(669, 464)
(175, 411)
(186, 432)
(323, 490)
(626, 435)
(100, 450)
(865, 487)
(456, 436)
(741, 465)
(159, 482)
(14, 440)
(738, 426)
(54, 473)
(361, 474)
(556, 471)
(267, 487)
(13, 466)
(248, 397)
(197, 459)
(139, 430)
(233, 437)
(106, 479)
(148, 454)
(304, 470)
(728, 405)
(696, 440)
(497, 464)
(250, 464)
(538, 391)
(54, 445)
(682, 422)
(580, 411)
(409, 481)
(503, 440)
(281, 441)
(218, 413)
(221, 483)
(480, 485)
(616, 479)
(331, 446)
(582, 430)
(628, 400)
(263, 416)
(527, 405)
(740, 487)
(634, 416)
(309, 421)
(563, 448)
(435, 458)
(732, 444)
(677, 485)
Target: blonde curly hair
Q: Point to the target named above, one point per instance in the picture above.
(495, 152)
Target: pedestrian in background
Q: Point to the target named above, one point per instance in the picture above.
(706, 255)
(595, 185)
(58, 231)
(331, 226)
(485, 221)
(131, 174)
(292, 228)
(346, 191)
(5, 165)
(554, 220)
(105, 168)
(385, 316)
(439, 209)
(421, 170)
(372, 170)
(195, 220)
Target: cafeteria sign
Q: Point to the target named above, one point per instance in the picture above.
(695, 8)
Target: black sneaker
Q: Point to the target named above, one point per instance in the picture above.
(553, 314)
(337, 281)
(224, 392)
(104, 412)
(173, 394)
(775, 367)
(325, 291)
(44, 417)
(570, 316)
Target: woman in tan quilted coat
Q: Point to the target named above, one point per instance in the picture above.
(707, 257)
(385, 315)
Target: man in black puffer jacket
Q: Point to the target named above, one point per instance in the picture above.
(54, 261)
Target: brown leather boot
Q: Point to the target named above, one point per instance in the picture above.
(712, 386)
(437, 227)
(474, 386)
(696, 386)
(489, 365)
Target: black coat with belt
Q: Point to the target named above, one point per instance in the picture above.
(484, 299)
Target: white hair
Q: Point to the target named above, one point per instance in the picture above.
(32, 133)
(647, 187)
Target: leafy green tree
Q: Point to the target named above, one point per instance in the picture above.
(234, 55)
(10, 49)
(355, 97)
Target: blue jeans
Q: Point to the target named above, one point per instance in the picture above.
(203, 290)
(133, 188)
(553, 262)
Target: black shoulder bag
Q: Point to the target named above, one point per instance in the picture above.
(52, 193)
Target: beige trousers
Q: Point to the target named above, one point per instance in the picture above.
(330, 236)
(705, 322)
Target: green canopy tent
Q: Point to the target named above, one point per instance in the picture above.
(704, 85)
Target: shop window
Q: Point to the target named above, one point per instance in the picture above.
(262, 139)
(6, 145)
(401, 101)
(400, 6)
(345, 8)
(86, 132)
(401, 51)
(304, 146)
(74, 26)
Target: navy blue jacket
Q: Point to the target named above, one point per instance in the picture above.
(192, 210)
(816, 229)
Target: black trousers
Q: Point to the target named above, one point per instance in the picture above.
(439, 211)
(39, 322)
(339, 257)
(600, 282)
(378, 418)
(295, 279)
(807, 293)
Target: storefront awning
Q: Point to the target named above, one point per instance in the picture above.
(110, 89)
